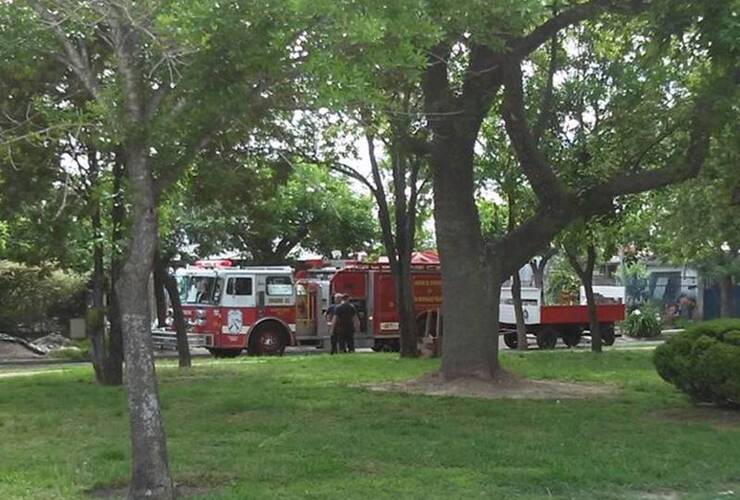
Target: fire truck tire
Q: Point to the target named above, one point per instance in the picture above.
(607, 333)
(268, 339)
(510, 340)
(224, 353)
(547, 338)
(572, 336)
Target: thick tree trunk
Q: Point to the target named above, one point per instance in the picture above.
(150, 469)
(160, 281)
(183, 348)
(470, 340)
(726, 297)
(521, 327)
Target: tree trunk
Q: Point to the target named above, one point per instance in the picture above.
(114, 359)
(521, 327)
(150, 469)
(586, 275)
(593, 320)
(160, 281)
(95, 317)
(183, 348)
(406, 310)
(726, 297)
(470, 293)
(399, 247)
(516, 289)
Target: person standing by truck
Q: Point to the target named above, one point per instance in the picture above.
(330, 319)
(345, 322)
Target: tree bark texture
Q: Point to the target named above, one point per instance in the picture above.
(516, 290)
(103, 353)
(586, 275)
(95, 317)
(521, 327)
(150, 476)
(160, 282)
(114, 362)
(183, 348)
(470, 340)
(398, 245)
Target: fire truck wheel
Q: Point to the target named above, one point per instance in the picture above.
(607, 333)
(547, 338)
(572, 337)
(225, 353)
(510, 340)
(268, 340)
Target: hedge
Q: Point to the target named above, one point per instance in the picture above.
(704, 362)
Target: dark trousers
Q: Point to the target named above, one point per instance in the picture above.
(345, 339)
(334, 340)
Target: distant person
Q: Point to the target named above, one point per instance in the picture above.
(344, 323)
(686, 307)
(330, 319)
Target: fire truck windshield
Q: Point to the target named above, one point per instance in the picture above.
(196, 289)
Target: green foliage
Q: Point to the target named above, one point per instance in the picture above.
(31, 297)
(266, 213)
(563, 285)
(704, 362)
(642, 323)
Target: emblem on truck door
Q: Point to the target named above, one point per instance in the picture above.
(234, 321)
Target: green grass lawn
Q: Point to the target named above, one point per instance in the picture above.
(299, 427)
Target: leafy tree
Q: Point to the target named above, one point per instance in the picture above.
(455, 114)
(699, 223)
(306, 207)
(171, 77)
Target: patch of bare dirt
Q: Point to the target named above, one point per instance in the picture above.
(506, 386)
(721, 418)
(13, 351)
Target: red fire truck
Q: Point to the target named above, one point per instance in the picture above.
(372, 292)
(264, 309)
(228, 309)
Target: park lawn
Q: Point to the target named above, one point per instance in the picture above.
(299, 426)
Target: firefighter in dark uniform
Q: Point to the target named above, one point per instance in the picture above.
(345, 322)
(330, 319)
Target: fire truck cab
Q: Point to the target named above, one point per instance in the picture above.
(231, 309)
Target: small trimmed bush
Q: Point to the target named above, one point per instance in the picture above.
(704, 362)
(642, 323)
(32, 298)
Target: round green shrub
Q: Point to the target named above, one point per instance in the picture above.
(642, 323)
(704, 362)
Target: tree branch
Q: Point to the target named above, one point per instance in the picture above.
(76, 56)
(546, 111)
(542, 178)
(523, 46)
(688, 166)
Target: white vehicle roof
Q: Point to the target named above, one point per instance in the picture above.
(199, 271)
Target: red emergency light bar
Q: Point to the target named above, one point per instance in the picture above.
(213, 264)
